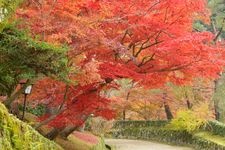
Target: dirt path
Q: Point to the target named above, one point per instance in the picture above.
(121, 144)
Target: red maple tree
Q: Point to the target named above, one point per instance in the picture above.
(151, 42)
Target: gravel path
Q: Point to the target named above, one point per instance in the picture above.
(122, 144)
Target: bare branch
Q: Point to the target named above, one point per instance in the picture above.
(145, 60)
(124, 36)
(178, 67)
(220, 31)
(143, 47)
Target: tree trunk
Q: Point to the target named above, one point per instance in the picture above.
(53, 134)
(124, 111)
(14, 96)
(45, 121)
(124, 114)
(215, 101)
(217, 113)
(127, 98)
(14, 109)
(189, 105)
(67, 131)
(168, 112)
(53, 116)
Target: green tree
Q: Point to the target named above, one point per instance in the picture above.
(22, 57)
(218, 17)
(217, 26)
(7, 8)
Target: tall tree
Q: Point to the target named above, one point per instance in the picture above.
(217, 28)
(150, 42)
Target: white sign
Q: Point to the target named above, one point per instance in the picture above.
(28, 89)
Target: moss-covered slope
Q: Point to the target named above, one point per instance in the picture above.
(17, 135)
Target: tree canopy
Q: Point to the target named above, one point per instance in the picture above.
(150, 42)
(24, 58)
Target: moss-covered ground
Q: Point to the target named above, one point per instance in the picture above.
(17, 135)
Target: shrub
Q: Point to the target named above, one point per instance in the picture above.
(216, 127)
(208, 141)
(190, 120)
(39, 110)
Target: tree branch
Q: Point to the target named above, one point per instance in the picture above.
(145, 61)
(220, 31)
(12, 98)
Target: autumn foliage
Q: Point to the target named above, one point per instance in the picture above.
(149, 41)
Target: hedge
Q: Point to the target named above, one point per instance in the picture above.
(139, 124)
(207, 141)
(157, 134)
(216, 127)
(210, 138)
(213, 126)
